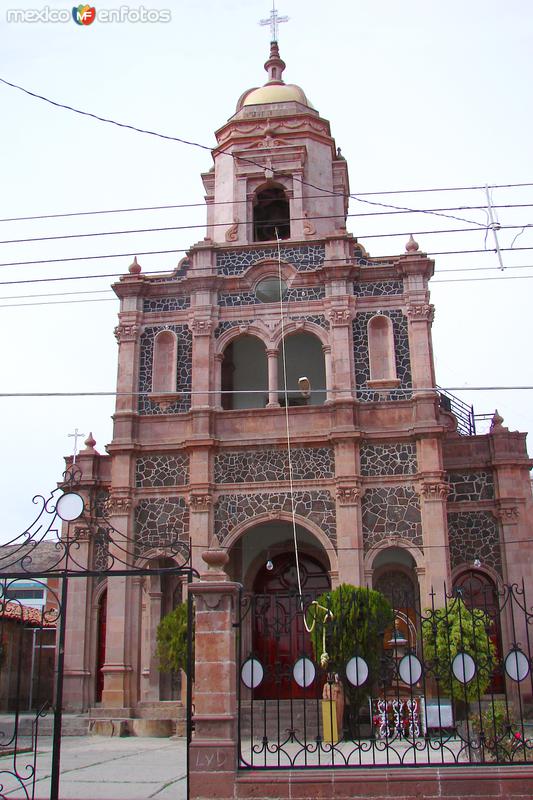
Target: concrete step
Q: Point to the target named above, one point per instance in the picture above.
(71, 725)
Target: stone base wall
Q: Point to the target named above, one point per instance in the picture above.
(507, 783)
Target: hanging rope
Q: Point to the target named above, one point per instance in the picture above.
(324, 658)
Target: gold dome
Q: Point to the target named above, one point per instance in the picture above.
(276, 93)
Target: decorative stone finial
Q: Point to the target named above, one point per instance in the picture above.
(411, 246)
(216, 560)
(274, 65)
(135, 267)
(497, 423)
(90, 441)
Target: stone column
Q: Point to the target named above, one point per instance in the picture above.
(341, 379)
(219, 358)
(201, 359)
(272, 356)
(118, 668)
(433, 494)
(213, 751)
(326, 349)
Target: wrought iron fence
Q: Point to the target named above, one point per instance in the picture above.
(32, 640)
(356, 680)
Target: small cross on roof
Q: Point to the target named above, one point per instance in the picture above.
(274, 20)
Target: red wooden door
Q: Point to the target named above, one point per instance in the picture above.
(279, 634)
(100, 647)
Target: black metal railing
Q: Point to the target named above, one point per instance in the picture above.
(464, 414)
(356, 682)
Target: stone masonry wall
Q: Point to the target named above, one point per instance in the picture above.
(233, 509)
(474, 534)
(391, 511)
(388, 459)
(247, 466)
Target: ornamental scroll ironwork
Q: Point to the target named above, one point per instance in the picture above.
(425, 699)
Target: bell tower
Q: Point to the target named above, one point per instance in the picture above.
(275, 167)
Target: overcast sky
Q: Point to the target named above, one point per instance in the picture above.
(420, 94)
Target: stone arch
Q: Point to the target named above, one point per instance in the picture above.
(291, 327)
(396, 543)
(253, 328)
(244, 372)
(271, 212)
(324, 543)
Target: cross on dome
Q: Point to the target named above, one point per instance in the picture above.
(273, 20)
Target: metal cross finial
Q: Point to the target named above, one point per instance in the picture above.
(273, 20)
(76, 435)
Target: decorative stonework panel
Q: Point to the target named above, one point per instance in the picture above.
(166, 304)
(388, 459)
(378, 288)
(474, 534)
(317, 319)
(308, 463)
(470, 486)
(304, 258)
(233, 509)
(361, 359)
(162, 470)
(302, 294)
(228, 324)
(101, 500)
(184, 370)
(391, 511)
(160, 523)
(101, 549)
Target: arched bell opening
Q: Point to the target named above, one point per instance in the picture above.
(244, 380)
(271, 214)
(304, 357)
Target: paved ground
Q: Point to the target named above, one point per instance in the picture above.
(99, 768)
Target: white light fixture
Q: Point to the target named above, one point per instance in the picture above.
(477, 563)
(304, 385)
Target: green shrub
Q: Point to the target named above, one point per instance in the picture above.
(172, 638)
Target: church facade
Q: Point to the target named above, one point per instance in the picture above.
(279, 386)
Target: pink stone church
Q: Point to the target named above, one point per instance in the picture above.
(280, 335)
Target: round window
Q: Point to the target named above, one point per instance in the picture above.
(271, 290)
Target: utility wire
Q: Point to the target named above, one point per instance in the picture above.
(243, 202)
(373, 261)
(110, 291)
(235, 156)
(166, 229)
(322, 390)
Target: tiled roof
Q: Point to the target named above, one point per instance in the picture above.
(26, 614)
(38, 557)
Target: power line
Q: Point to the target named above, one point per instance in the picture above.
(119, 274)
(515, 388)
(373, 260)
(168, 207)
(235, 156)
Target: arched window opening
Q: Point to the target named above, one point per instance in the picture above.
(304, 357)
(271, 212)
(477, 590)
(381, 349)
(165, 362)
(244, 374)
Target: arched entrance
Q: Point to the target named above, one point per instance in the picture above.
(279, 636)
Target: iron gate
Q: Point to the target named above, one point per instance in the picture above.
(367, 684)
(32, 639)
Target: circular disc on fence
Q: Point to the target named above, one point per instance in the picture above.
(304, 672)
(517, 665)
(252, 673)
(410, 669)
(357, 671)
(70, 506)
(464, 667)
